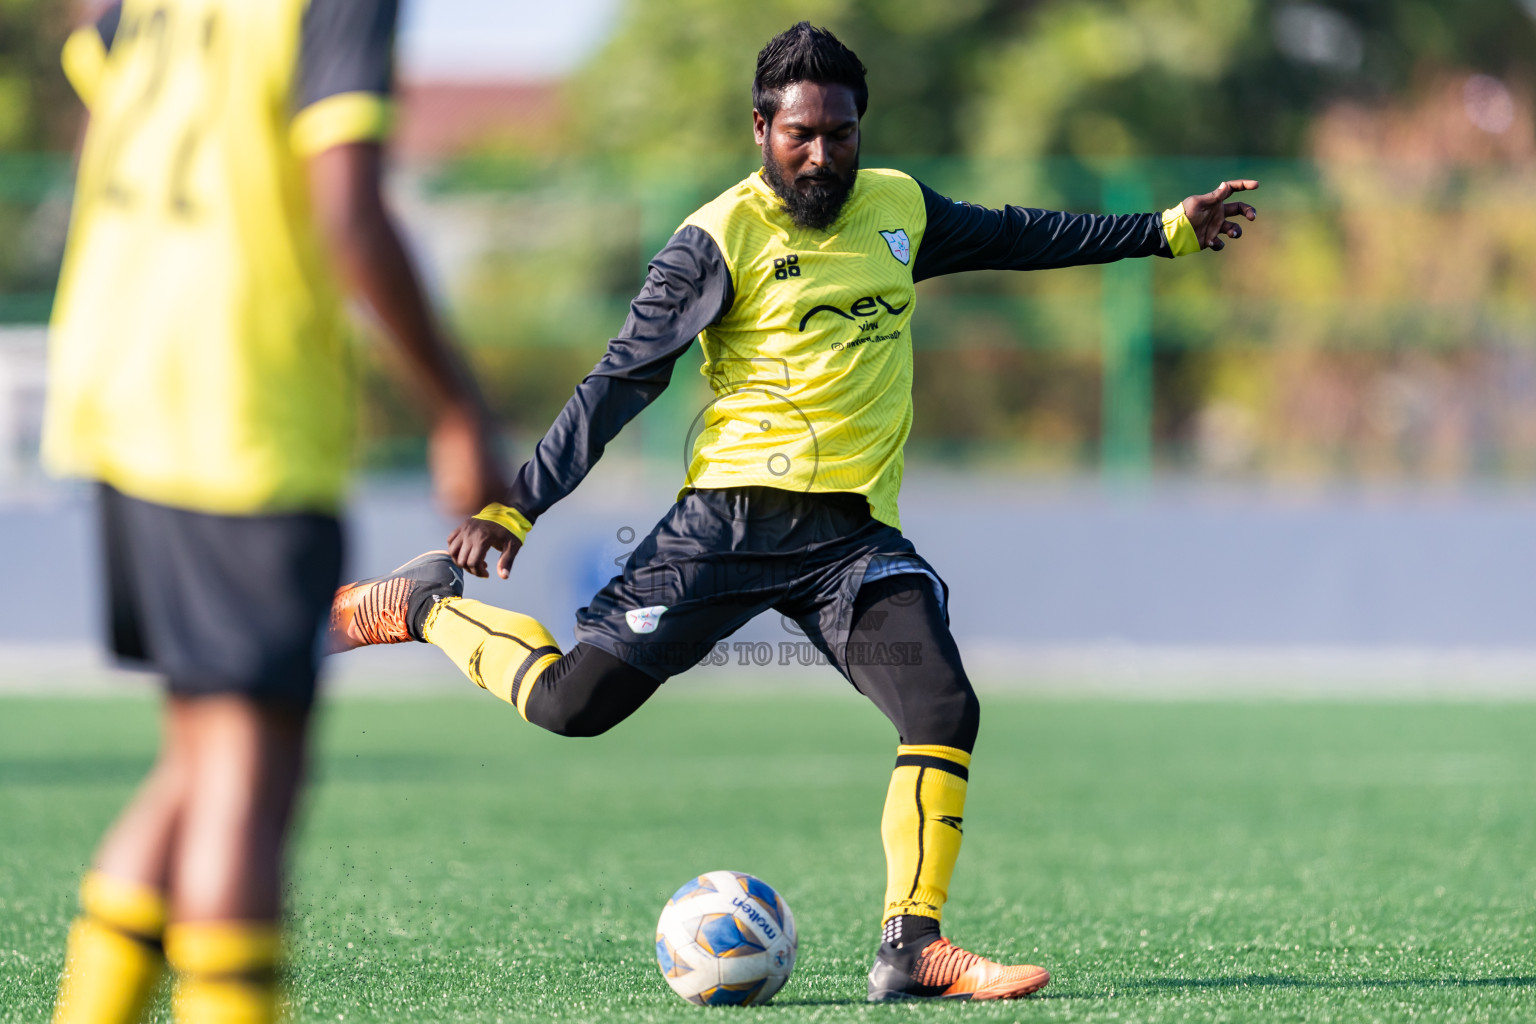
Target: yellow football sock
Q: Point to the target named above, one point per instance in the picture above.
(114, 960)
(500, 651)
(226, 971)
(921, 828)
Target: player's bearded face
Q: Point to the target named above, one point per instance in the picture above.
(811, 151)
(814, 197)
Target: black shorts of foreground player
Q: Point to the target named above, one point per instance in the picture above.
(799, 283)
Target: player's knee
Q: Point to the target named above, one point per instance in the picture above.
(585, 723)
(949, 714)
(586, 693)
(969, 722)
(577, 724)
(565, 717)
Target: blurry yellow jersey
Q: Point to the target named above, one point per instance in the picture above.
(198, 352)
(812, 364)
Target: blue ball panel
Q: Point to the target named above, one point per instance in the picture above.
(763, 893)
(693, 887)
(732, 995)
(721, 935)
(666, 958)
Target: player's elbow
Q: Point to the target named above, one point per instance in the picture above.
(350, 229)
(348, 206)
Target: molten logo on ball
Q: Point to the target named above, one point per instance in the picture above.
(726, 938)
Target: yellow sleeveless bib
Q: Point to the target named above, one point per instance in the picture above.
(812, 366)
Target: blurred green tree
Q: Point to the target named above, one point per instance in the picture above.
(38, 110)
(39, 118)
(1355, 304)
(675, 81)
(1025, 78)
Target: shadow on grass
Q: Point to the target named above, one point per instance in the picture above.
(74, 770)
(1276, 981)
(117, 769)
(1246, 981)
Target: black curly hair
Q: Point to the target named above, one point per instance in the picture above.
(805, 54)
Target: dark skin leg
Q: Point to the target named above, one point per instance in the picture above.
(210, 823)
(138, 846)
(247, 759)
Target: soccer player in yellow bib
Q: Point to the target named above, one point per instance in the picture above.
(799, 284)
(199, 374)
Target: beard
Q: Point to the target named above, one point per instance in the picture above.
(811, 200)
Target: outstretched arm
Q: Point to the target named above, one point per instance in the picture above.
(962, 236)
(687, 288)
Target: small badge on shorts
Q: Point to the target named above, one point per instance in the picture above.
(643, 620)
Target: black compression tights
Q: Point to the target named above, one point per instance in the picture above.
(589, 691)
(931, 702)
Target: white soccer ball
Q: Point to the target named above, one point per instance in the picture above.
(726, 938)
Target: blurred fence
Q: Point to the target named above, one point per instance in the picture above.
(34, 214)
(1376, 321)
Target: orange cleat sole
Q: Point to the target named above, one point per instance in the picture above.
(945, 971)
(1015, 983)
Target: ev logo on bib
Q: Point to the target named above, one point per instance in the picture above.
(901, 246)
(643, 620)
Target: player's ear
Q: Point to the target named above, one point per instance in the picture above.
(759, 126)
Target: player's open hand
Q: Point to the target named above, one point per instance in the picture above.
(1208, 213)
(474, 539)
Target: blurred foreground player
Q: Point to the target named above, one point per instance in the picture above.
(199, 373)
(799, 282)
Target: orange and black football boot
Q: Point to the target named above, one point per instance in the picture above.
(390, 609)
(941, 970)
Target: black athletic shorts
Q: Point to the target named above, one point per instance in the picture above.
(722, 556)
(220, 604)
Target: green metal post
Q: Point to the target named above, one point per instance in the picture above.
(1126, 316)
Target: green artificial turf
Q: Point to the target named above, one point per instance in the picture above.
(1166, 861)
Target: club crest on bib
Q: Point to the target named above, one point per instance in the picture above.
(644, 620)
(901, 245)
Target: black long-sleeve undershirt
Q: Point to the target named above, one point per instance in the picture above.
(962, 236)
(688, 287)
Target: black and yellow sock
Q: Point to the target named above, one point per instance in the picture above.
(115, 960)
(501, 651)
(226, 971)
(921, 829)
